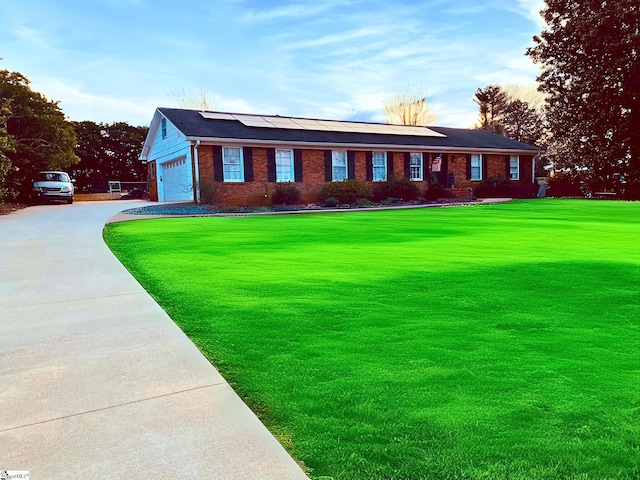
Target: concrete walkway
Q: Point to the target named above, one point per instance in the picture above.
(96, 381)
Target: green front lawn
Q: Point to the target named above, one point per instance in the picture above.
(494, 341)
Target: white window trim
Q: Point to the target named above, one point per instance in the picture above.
(385, 174)
(291, 165)
(517, 160)
(343, 153)
(224, 177)
(420, 166)
(479, 158)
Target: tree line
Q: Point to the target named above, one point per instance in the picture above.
(35, 135)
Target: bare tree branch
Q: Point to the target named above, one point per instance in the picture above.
(409, 108)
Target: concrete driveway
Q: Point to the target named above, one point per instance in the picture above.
(96, 381)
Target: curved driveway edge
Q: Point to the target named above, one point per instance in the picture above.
(97, 382)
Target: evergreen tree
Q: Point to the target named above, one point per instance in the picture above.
(589, 52)
(492, 102)
(503, 114)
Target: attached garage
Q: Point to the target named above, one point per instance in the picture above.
(176, 180)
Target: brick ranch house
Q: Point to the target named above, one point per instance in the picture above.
(244, 157)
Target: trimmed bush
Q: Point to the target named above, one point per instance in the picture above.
(285, 195)
(347, 191)
(436, 191)
(503, 187)
(362, 202)
(564, 186)
(395, 187)
(494, 187)
(331, 202)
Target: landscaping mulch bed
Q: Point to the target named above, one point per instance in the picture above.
(198, 209)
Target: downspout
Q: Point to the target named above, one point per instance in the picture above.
(197, 167)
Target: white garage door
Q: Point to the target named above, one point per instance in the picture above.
(176, 180)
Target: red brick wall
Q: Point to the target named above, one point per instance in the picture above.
(259, 191)
(496, 167)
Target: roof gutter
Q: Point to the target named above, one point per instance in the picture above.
(196, 165)
(362, 146)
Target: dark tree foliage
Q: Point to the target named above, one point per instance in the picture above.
(589, 53)
(40, 136)
(6, 145)
(492, 102)
(523, 123)
(513, 118)
(108, 152)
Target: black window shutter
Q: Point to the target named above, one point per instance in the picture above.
(218, 174)
(485, 164)
(271, 164)
(369, 166)
(445, 171)
(247, 154)
(297, 164)
(507, 165)
(328, 174)
(389, 165)
(407, 165)
(425, 166)
(351, 164)
(468, 166)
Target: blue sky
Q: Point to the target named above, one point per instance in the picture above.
(117, 60)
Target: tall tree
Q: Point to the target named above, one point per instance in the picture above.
(6, 145)
(42, 138)
(523, 123)
(492, 102)
(589, 53)
(409, 108)
(507, 111)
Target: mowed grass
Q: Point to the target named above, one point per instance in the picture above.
(486, 342)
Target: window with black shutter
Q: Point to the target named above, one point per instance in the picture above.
(247, 153)
(271, 164)
(351, 164)
(218, 173)
(297, 164)
(369, 157)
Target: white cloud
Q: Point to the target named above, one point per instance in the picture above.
(293, 11)
(531, 10)
(516, 69)
(338, 38)
(88, 66)
(79, 106)
(33, 36)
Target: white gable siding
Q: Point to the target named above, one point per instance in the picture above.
(165, 152)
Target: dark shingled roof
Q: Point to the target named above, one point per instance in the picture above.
(194, 125)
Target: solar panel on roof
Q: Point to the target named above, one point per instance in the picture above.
(266, 121)
(284, 123)
(257, 123)
(217, 116)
